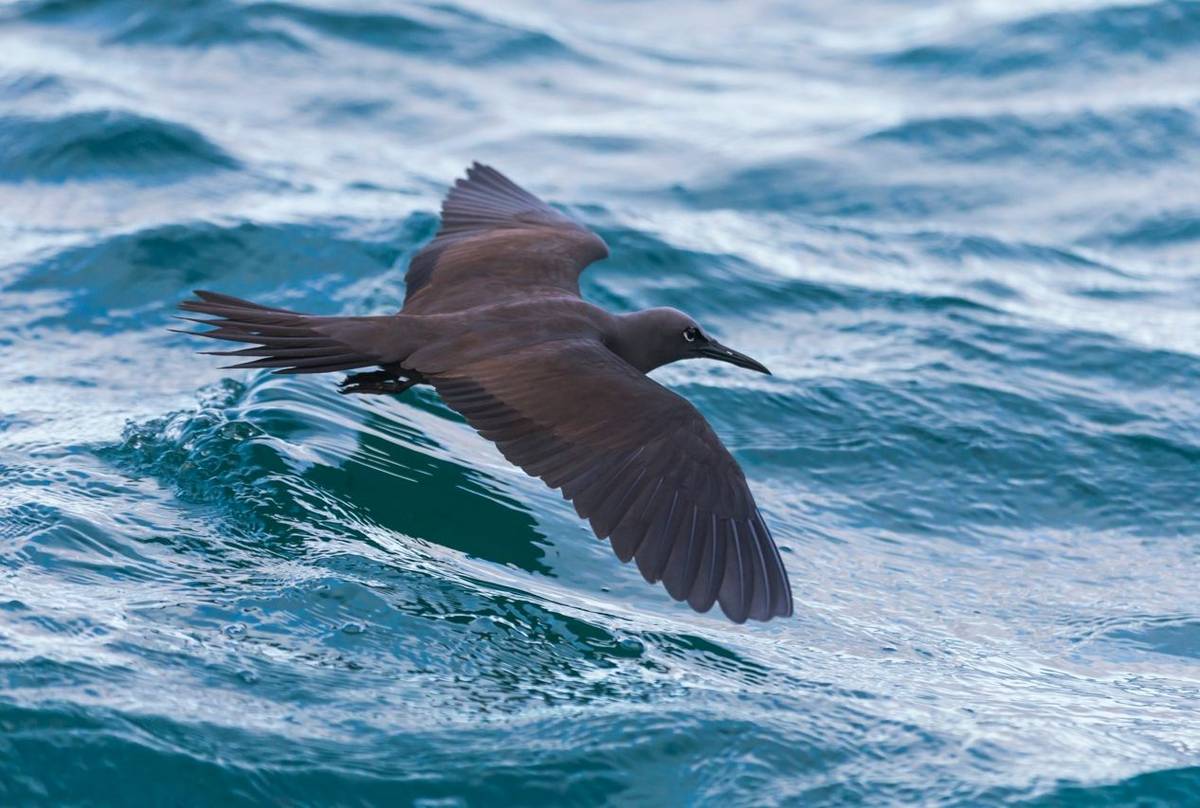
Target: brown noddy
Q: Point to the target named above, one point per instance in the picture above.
(494, 321)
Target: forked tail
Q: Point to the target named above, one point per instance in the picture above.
(292, 342)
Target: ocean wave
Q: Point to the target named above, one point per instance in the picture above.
(1100, 37)
(439, 32)
(105, 143)
(1176, 636)
(448, 33)
(973, 443)
(960, 248)
(1125, 139)
(442, 764)
(34, 84)
(196, 24)
(1170, 787)
(844, 191)
(264, 458)
(647, 269)
(1167, 228)
(121, 278)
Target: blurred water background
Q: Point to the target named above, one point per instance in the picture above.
(964, 235)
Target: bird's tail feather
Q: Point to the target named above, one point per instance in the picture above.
(291, 342)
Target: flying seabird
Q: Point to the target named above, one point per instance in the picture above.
(494, 321)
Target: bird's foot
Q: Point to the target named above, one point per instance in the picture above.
(377, 382)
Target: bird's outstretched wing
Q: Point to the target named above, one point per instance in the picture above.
(638, 461)
(497, 242)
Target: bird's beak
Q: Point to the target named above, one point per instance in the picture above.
(715, 350)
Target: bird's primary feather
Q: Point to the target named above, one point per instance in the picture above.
(497, 242)
(638, 461)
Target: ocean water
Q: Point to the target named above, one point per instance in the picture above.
(964, 235)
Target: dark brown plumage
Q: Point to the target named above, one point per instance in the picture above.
(493, 320)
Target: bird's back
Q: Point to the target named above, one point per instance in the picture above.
(504, 328)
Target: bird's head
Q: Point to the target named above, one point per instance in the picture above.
(656, 337)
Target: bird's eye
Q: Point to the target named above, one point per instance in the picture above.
(690, 334)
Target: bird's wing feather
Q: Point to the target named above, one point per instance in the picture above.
(497, 241)
(638, 461)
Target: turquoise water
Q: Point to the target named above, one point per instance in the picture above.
(964, 236)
